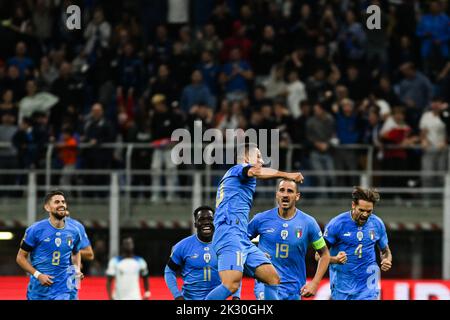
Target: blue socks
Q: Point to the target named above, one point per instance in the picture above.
(271, 292)
(219, 293)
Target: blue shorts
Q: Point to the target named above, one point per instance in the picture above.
(35, 296)
(367, 295)
(282, 294)
(235, 251)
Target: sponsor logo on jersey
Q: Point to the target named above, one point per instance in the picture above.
(347, 234)
(47, 240)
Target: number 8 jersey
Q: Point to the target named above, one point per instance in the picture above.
(360, 274)
(51, 254)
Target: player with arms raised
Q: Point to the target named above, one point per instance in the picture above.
(230, 241)
(352, 237)
(285, 233)
(50, 244)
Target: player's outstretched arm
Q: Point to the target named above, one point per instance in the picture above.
(269, 173)
(22, 261)
(386, 258)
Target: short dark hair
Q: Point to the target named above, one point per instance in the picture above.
(288, 180)
(366, 194)
(201, 208)
(53, 193)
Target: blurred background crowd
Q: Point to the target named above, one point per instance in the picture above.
(137, 70)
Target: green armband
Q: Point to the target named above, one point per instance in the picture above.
(319, 244)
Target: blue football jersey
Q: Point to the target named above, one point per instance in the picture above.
(361, 272)
(235, 198)
(286, 243)
(51, 254)
(198, 263)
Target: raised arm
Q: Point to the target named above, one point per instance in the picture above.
(269, 173)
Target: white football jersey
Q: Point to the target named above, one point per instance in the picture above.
(127, 272)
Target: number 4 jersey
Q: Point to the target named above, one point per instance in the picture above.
(359, 276)
(51, 254)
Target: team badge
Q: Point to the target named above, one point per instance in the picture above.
(372, 235)
(207, 257)
(69, 241)
(298, 233)
(284, 234)
(58, 242)
(359, 235)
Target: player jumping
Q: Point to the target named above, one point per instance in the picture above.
(230, 241)
(352, 236)
(285, 233)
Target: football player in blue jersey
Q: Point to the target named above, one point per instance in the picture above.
(50, 244)
(235, 252)
(86, 252)
(285, 233)
(353, 237)
(196, 259)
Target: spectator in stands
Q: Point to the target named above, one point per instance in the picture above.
(415, 91)
(35, 101)
(130, 69)
(163, 122)
(42, 19)
(434, 32)
(348, 132)
(8, 154)
(259, 98)
(162, 45)
(320, 132)
(21, 61)
(97, 130)
(97, 33)
(69, 89)
(7, 104)
(222, 20)
(352, 38)
(25, 144)
(15, 83)
(434, 145)
(181, 64)
(299, 137)
(210, 71)
(208, 40)
(396, 135)
(195, 93)
(237, 40)
(276, 85)
(67, 148)
(164, 84)
(47, 74)
(266, 53)
(235, 75)
(296, 94)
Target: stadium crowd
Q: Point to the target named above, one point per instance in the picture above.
(137, 70)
